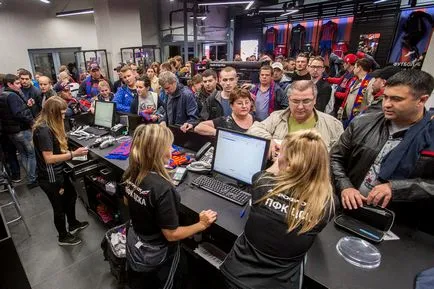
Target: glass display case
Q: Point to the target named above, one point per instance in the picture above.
(85, 57)
(141, 55)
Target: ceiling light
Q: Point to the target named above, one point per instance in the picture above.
(198, 17)
(289, 12)
(46, 1)
(224, 3)
(74, 12)
(379, 1)
(271, 11)
(249, 5)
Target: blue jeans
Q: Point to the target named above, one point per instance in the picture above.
(24, 143)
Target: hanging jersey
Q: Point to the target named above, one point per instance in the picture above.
(328, 31)
(270, 36)
(298, 35)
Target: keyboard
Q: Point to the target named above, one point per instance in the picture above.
(214, 255)
(97, 131)
(222, 190)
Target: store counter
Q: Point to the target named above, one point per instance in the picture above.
(401, 260)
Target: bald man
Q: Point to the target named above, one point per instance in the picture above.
(47, 91)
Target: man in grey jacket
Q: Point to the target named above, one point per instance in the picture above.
(300, 114)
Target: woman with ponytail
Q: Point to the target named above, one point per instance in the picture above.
(292, 203)
(51, 149)
(153, 251)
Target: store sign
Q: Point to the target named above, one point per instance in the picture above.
(249, 48)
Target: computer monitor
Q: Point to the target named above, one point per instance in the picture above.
(104, 114)
(238, 155)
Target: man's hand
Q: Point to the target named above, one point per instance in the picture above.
(154, 117)
(378, 193)
(30, 102)
(186, 126)
(247, 86)
(352, 199)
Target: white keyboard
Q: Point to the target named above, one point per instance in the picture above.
(211, 253)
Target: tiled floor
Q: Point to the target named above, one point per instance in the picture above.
(48, 265)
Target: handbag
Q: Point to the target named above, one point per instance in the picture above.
(369, 222)
(142, 255)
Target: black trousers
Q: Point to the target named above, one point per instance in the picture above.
(156, 279)
(63, 204)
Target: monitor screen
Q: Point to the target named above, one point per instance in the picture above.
(104, 113)
(239, 156)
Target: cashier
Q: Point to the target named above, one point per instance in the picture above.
(51, 150)
(153, 252)
(292, 203)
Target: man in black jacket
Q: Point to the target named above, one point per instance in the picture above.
(32, 93)
(388, 156)
(209, 87)
(217, 103)
(17, 120)
(316, 71)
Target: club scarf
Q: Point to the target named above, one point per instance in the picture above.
(355, 111)
(360, 96)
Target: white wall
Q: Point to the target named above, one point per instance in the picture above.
(117, 26)
(32, 24)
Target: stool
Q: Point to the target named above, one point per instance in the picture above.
(7, 187)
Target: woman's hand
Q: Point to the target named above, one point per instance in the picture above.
(206, 218)
(80, 152)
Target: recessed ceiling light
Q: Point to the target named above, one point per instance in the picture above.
(224, 3)
(46, 1)
(74, 12)
(249, 5)
(289, 12)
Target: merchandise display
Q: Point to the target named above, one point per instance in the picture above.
(413, 35)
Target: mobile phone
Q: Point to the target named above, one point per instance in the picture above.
(179, 175)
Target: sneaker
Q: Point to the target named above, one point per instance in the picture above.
(32, 185)
(69, 240)
(16, 180)
(78, 227)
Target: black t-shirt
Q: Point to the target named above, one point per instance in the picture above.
(154, 205)
(44, 140)
(295, 76)
(266, 255)
(227, 122)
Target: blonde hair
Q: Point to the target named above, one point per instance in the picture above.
(148, 147)
(51, 116)
(102, 84)
(305, 183)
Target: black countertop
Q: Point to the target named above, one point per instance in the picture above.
(401, 260)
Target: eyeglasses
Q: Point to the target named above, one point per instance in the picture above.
(316, 67)
(304, 102)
